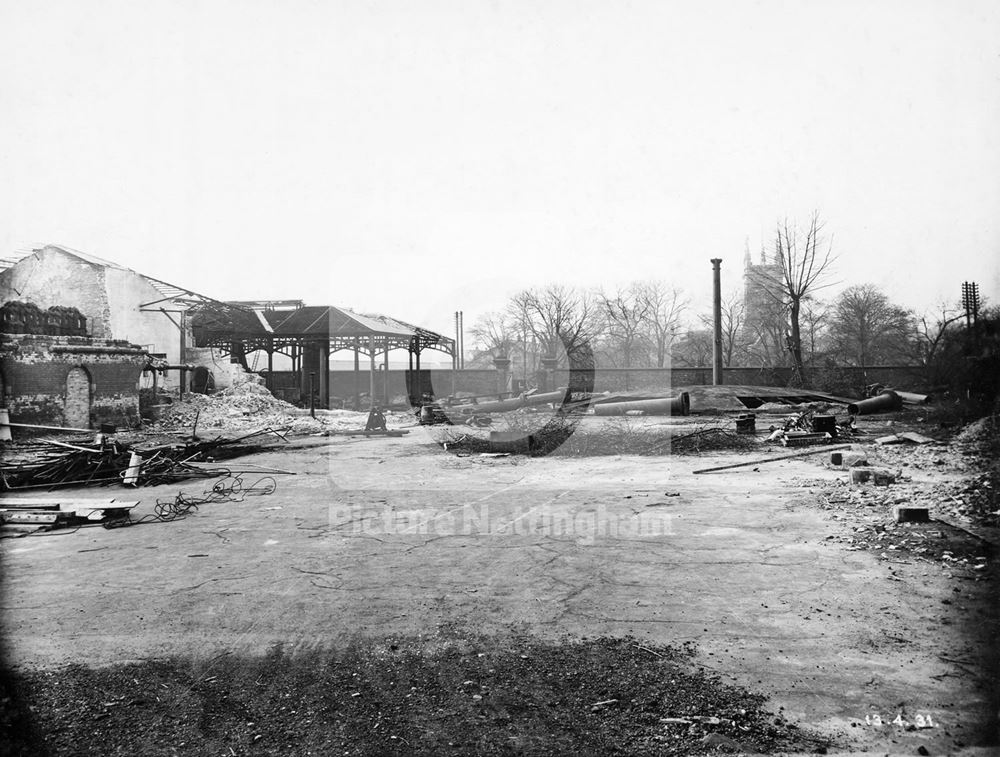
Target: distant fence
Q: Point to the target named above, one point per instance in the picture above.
(392, 386)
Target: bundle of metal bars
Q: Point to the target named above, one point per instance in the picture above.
(62, 464)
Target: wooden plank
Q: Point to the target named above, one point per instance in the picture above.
(71, 446)
(77, 508)
(29, 517)
(48, 502)
(48, 428)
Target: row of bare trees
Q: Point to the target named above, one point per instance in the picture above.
(647, 324)
(859, 327)
(632, 326)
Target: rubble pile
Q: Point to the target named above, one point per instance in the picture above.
(250, 405)
(868, 510)
(243, 405)
(963, 508)
(977, 433)
(975, 500)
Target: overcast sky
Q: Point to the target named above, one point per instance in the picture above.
(417, 158)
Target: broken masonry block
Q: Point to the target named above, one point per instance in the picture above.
(848, 459)
(878, 476)
(861, 475)
(884, 478)
(907, 514)
(890, 439)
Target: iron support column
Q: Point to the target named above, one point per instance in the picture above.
(717, 322)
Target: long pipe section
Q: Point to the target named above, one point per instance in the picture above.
(680, 405)
(886, 402)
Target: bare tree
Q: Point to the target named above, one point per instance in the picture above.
(693, 349)
(733, 318)
(815, 315)
(767, 344)
(557, 316)
(868, 328)
(663, 307)
(494, 333)
(804, 258)
(932, 329)
(625, 317)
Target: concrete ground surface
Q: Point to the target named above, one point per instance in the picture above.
(394, 536)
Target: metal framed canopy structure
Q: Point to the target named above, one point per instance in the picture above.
(308, 335)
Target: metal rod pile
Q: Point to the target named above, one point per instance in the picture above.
(61, 464)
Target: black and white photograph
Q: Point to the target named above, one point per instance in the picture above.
(494, 377)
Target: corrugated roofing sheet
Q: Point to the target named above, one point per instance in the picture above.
(316, 320)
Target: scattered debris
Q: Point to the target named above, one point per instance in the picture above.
(21, 516)
(617, 436)
(878, 476)
(117, 463)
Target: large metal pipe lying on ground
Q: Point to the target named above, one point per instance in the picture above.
(498, 406)
(886, 402)
(545, 398)
(680, 405)
(512, 403)
(911, 398)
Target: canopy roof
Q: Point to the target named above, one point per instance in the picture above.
(343, 329)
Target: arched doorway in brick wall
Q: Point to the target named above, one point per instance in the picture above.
(76, 408)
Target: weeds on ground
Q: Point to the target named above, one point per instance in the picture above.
(403, 696)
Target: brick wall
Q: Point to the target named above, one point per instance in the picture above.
(52, 277)
(35, 370)
(848, 382)
(111, 298)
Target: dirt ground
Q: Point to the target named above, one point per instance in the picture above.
(394, 537)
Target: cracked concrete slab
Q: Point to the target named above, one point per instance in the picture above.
(394, 536)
